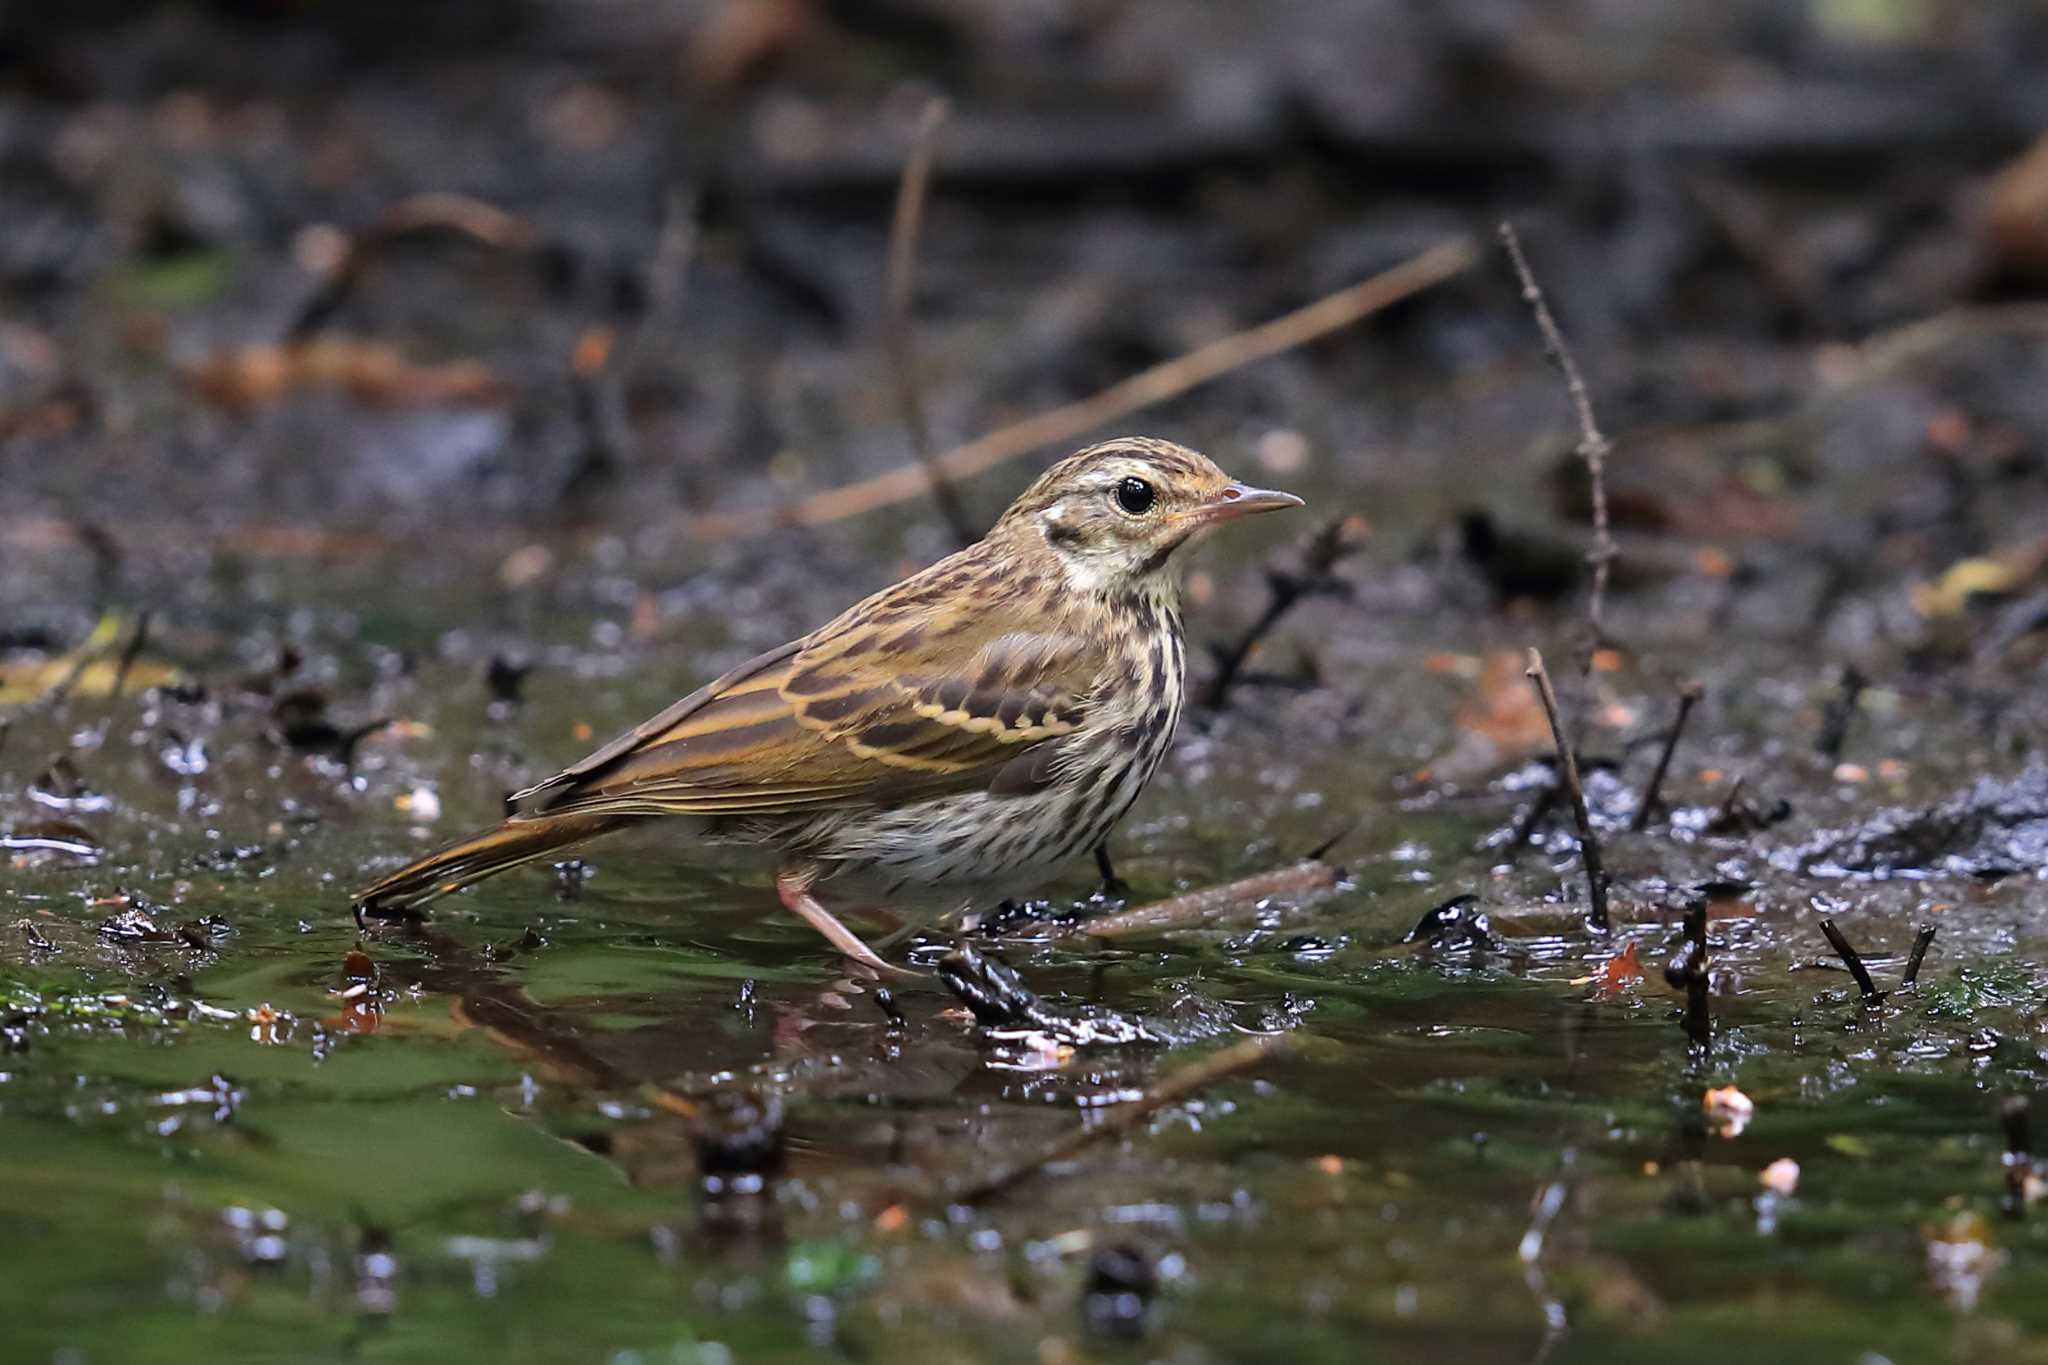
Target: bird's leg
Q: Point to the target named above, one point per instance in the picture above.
(793, 884)
(909, 922)
(1113, 887)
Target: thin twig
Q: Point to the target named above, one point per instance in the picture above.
(1123, 1118)
(1733, 817)
(1161, 382)
(1853, 960)
(1731, 804)
(58, 691)
(1840, 710)
(107, 557)
(1326, 545)
(1193, 909)
(598, 402)
(1532, 816)
(129, 654)
(666, 277)
(1688, 697)
(1593, 447)
(898, 300)
(606, 361)
(1589, 842)
(1922, 941)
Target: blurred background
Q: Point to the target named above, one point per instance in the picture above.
(397, 399)
(292, 281)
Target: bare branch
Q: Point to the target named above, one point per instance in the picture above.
(1688, 697)
(898, 295)
(1853, 960)
(1568, 762)
(1593, 447)
(1170, 379)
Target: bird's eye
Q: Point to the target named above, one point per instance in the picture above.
(1134, 495)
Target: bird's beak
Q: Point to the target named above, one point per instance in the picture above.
(1236, 500)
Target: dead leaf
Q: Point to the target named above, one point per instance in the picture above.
(371, 372)
(1622, 970)
(1781, 1176)
(1500, 723)
(1728, 1110)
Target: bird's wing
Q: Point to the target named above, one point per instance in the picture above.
(543, 796)
(879, 708)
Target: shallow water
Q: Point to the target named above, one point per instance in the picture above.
(215, 1152)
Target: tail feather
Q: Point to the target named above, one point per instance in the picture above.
(518, 840)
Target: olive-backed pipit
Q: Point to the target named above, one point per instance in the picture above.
(983, 719)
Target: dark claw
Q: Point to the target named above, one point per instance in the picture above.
(1113, 887)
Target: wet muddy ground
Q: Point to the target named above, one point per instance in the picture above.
(331, 514)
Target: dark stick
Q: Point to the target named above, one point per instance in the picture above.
(1699, 1016)
(1593, 447)
(1121, 1119)
(885, 1001)
(1322, 850)
(1688, 697)
(1525, 828)
(1589, 842)
(1113, 886)
(1834, 726)
(129, 654)
(1731, 802)
(1853, 960)
(61, 689)
(904, 230)
(106, 560)
(1727, 818)
(1230, 658)
(598, 404)
(1921, 942)
(1326, 545)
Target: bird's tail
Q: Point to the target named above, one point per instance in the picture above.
(518, 840)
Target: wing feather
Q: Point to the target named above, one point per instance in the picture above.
(869, 710)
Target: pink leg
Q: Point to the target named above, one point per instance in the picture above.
(793, 884)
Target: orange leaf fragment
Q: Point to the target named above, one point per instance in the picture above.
(1625, 968)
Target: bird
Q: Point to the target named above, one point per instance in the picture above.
(988, 717)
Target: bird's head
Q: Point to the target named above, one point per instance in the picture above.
(1113, 514)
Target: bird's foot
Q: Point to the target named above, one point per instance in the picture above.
(794, 886)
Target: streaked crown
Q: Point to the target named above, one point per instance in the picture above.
(1116, 512)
